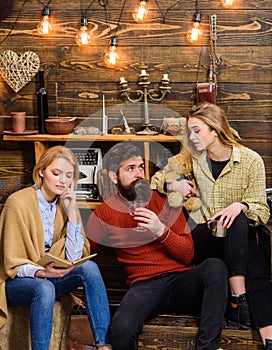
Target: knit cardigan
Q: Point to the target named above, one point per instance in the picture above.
(22, 237)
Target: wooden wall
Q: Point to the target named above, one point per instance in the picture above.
(76, 77)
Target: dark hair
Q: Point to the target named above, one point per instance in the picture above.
(119, 153)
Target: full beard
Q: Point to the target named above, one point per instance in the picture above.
(138, 190)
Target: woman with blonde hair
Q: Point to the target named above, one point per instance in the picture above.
(44, 218)
(231, 184)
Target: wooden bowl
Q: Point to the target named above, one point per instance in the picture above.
(59, 126)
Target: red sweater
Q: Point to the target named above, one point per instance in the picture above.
(141, 254)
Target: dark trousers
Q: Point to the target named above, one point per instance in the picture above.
(240, 252)
(201, 290)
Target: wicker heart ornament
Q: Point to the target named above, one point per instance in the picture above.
(18, 69)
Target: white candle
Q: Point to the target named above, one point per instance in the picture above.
(122, 80)
(165, 77)
(104, 117)
(143, 72)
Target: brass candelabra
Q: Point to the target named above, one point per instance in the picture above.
(145, 93)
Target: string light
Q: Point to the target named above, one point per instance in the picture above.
(140, 12)
(194, 34)
(83, 36)
(44, 27)
(228, 3)
(111, 56)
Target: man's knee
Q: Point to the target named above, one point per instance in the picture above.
(124, 332)
(216, 268)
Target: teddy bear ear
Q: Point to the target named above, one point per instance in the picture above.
(192, 203)
(175, 199)
(5, 8)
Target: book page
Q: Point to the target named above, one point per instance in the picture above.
(62, 263)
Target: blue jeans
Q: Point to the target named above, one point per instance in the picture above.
(201, 290)
(40, 295)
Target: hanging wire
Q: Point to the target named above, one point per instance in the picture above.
(42, 3)
(121, 13)
(15, 22)
(160, 10)
(197, 6)
(106, 12)
(87, 9)
(167, 10)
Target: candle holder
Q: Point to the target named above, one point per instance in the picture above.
(145, 93)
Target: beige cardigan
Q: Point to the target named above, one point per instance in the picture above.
(22, 237)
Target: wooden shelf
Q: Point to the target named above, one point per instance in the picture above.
(100, 138)
(88, 204)
(43, 141)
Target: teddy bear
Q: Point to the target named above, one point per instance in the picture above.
(178, 167)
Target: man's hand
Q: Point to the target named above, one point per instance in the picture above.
(149, 220)
(50, 271)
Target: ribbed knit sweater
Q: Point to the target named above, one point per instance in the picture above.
(142, 255)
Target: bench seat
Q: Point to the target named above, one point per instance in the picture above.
(15, 334)
(167, 332)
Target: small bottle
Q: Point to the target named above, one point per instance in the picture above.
(42, 104)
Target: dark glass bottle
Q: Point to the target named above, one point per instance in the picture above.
(42, 104)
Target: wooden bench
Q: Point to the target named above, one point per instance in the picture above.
(164, 332)
(16, 334)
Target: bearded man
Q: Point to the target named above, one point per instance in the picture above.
(157, 256)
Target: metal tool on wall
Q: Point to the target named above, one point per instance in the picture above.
(208, 91)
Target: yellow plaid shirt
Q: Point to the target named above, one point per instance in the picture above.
(242, 180)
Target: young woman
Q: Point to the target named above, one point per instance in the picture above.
(231, 184)
(44, 218)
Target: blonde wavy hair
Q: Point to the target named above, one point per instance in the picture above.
(213, 116)
(48, 157)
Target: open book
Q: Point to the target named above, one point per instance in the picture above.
(62, 263)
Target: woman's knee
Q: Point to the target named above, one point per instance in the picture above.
(241, 221)
(44, 292)
(88, 270)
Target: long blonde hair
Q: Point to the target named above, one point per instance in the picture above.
(215, 118)
(49, 156)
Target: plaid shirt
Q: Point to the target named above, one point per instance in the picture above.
(241, 180)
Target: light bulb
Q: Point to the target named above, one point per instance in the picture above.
(195, 33)
(44, 27)
(140, 12)
(111, 57)
(228, 3)
(83, 36)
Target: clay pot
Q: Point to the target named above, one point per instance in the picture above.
(18, 120)
(59, 126)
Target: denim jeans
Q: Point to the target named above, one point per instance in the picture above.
(40, 295)
(201, 290)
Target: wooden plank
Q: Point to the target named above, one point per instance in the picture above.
(239, 64)
(82, 99)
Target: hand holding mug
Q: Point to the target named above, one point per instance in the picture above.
(216, 227)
